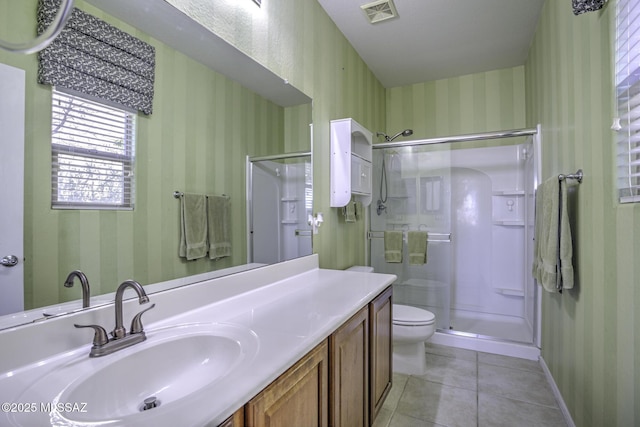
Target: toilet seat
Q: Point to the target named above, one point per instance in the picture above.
(406, 315)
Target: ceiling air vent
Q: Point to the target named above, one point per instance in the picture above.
(380, 10)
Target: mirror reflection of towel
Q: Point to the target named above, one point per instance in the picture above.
(219, 216)
(193, 226)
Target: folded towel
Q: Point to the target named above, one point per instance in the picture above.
(553, 251)
(393, 246)
(582, 6)
(193, 226)
(565, 246)
(359, 211)
(350, 212)
(417, 247)
(219, 218)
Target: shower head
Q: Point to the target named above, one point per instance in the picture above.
(406, 132)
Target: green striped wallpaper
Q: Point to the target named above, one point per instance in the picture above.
(590, 335)
(202, 128)
(296, 40)
(474, 103)
(204, 125)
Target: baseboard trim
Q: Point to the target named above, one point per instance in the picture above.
(556, 392)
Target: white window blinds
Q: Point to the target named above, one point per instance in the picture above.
(628, 97)
(92, 154)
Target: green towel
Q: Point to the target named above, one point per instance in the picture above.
(393, 246)
(193, 229)
(417, 247)
(219, 215)
(553, 251)
(350, 212)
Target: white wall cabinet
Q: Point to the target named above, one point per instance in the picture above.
(351, 169)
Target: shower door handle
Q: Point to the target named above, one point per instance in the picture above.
(9, 261)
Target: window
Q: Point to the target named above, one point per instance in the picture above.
(627, 82)
(92, 154)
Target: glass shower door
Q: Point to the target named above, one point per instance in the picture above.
(280, 201)
(412, 192)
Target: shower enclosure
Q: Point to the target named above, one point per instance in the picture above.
(279, 201)
(475, 198)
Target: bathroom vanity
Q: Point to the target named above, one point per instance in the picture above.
(238, 350)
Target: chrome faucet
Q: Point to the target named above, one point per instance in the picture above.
(85, 285)
(102, 345)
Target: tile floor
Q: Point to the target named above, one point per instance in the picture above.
(470, 388)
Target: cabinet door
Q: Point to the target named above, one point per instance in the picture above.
(360, 175)
(349, 372)
(299, 397)
(235, 420)
(381, 350)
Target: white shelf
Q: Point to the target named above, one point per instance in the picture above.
(510, 292)
(351, 168)
(508, 193)
(509, 223)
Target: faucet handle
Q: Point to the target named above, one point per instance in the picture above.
(100, 337)
(136, 323)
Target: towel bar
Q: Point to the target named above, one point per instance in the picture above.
(577, 176)
(178, 194)
(380, 235)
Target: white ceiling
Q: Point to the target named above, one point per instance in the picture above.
(435, 39)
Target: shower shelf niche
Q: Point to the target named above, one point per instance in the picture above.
(508, 208)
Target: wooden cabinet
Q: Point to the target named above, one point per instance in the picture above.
(381, 353)
(299, 397)
(349, 372)
(340, 383)
(235, 420)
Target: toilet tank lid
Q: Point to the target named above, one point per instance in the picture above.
(361, 268)
(408, 315)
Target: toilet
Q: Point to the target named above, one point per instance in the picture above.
(412, 326)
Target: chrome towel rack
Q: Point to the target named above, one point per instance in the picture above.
(444, 237)
(577, 176)
(178, 194)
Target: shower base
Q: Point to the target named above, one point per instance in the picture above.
(496, 334)
(493, 325)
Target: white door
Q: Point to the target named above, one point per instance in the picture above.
(12, 94)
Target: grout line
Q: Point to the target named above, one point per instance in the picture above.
(477, 390)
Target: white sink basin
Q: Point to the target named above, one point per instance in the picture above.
(175, 365)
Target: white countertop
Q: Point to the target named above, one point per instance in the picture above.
(290, 316)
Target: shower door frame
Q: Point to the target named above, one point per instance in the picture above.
(535, 134)
(249, 191)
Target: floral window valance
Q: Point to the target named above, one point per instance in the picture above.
(95, 58)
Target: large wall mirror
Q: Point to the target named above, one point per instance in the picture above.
(214, 109)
